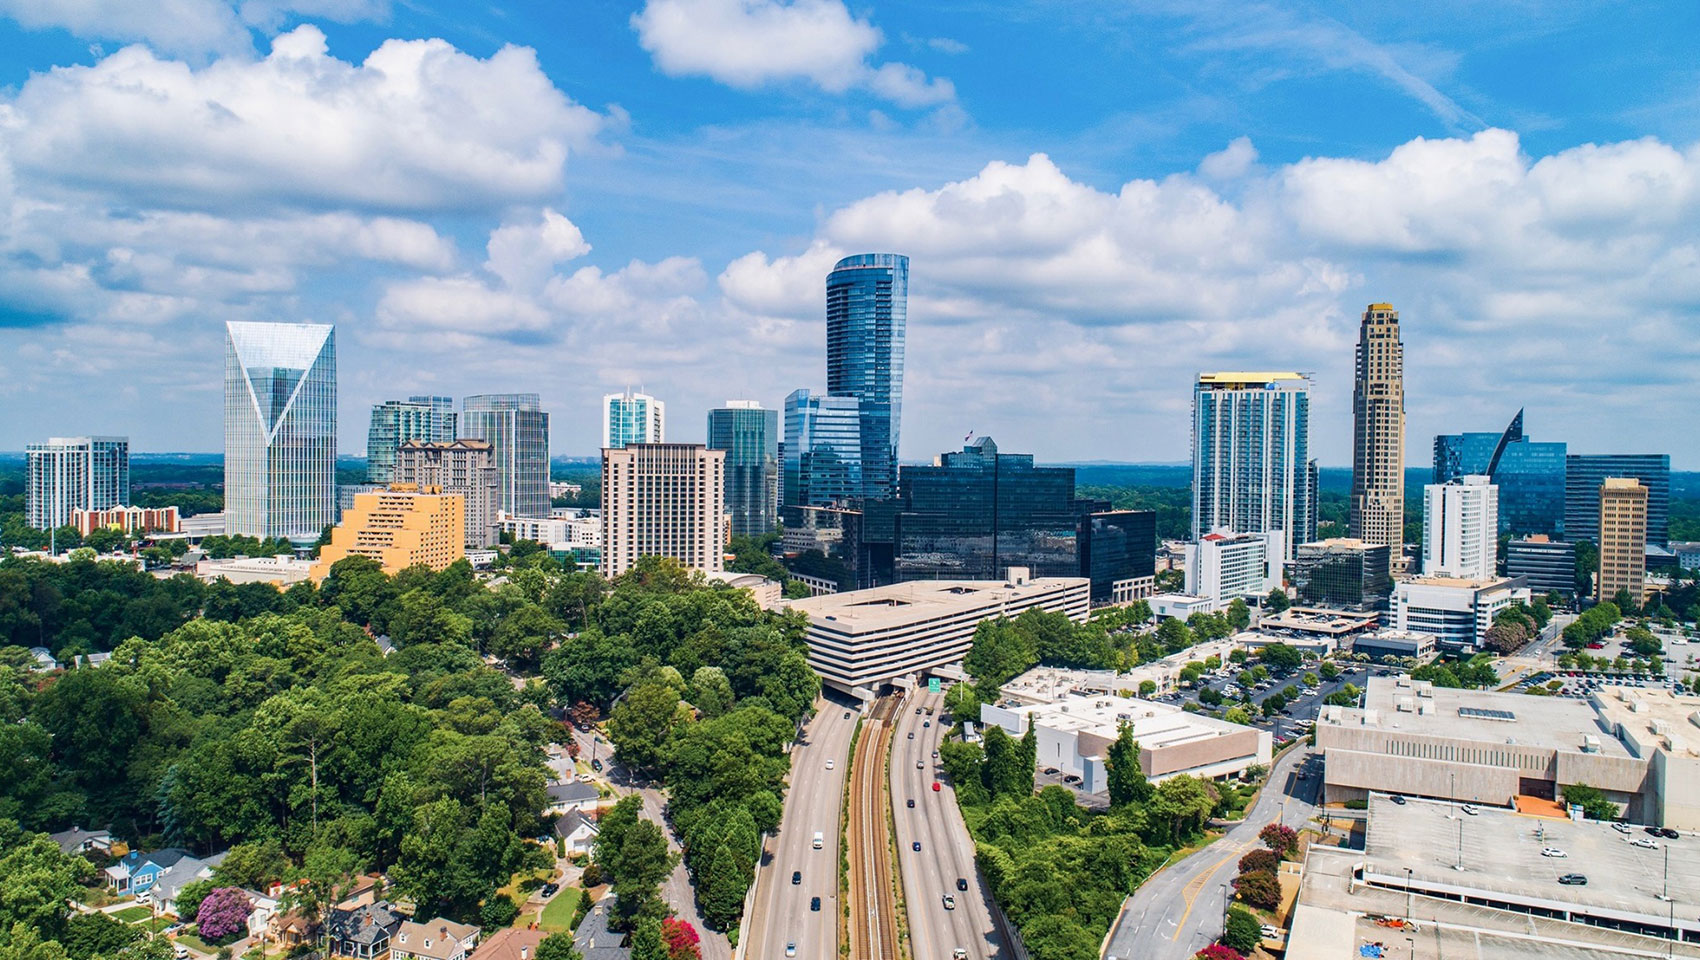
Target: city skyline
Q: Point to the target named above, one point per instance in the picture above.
(1071, 265)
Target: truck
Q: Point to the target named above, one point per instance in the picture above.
(820, 840)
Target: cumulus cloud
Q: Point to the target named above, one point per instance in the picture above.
(751, 43)
(183, 27)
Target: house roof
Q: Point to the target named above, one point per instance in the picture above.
(179, 875)
(594, 940)
(164, 858)
(367, 924)
(570, 822)
(73, 839)
(436, 938)
(510, 944)
(573, 791)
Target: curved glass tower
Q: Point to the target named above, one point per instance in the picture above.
(867, 311)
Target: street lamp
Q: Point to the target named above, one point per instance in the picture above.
(1407, 894)
(1413, 945)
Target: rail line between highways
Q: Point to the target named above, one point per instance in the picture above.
(873, 912)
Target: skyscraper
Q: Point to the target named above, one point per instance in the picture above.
(663, 500)
(464, 467)
(517, 430)
(1251, 465)
(1461, 529)
(632, 418)
(394, 422)
(1530, 475)
(279, 429)
(1583, 476)
(750, 437)
(823, 451)
(867, 310)
(74, 473)
(1378, 432)
(1623, 539)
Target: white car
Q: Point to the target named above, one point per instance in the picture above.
(1645, 842)
(830, 764)
(1468, 809)
(791, 949)
(1553, 852)
(1620, 827)
(949, 902)
(1270, 932)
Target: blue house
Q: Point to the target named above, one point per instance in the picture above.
(137, 872)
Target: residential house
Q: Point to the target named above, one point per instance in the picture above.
(511, 944)
(265, 908)
(182, 873)
(578, 830)
(44, 662)
(435, 939)
(573, 795)
(363, 933)
(595, 940)
(78, 840)
(95, 659)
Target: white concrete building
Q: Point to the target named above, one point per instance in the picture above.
(1461, 529)
(564, 528)
(283, 570)
(864, 639)
(767, 593)
(663, 500)
(1179, 605)
(1224, 565)
(1456, 612)
(1075, 733)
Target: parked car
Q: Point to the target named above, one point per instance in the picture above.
(1620, 827)
(1645, 843)
(1071, 778)
(1050, 771)
(549, 889)
(1553, 852)
(1573, 880)
(1397, 799)
(1468, 809)
(1270, 932)
(1668, 833)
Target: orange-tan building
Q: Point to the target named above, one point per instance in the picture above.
(399, 527)
(1623, 539)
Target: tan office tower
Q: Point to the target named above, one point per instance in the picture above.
(663, 500)
(400, 527)
(466, 467)
(1623, 539)
(1378, 434)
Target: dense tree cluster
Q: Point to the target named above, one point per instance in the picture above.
(36, 922)
(1471, 674)
(1594, 625)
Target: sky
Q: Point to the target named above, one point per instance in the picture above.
(1099, 200)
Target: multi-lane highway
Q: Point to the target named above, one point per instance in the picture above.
(947, 852)
(782, 913)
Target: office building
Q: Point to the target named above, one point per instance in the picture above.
(1529, 475)
(750, 437)
(1224, 566)
(1118, 554)
(463, 467)
(1623, 539)
(663, 500)
(1584, 474)
(130, 520)
(1687, 554)
(394, 422)
(403, 526)
(517, 430)
(279, 430)
(1343, 573)
(1073, 734)
(1548, 565)
(867, 313)
(1251, 465)
(823, 452)
(1378, 432)
(1456, 612)
(1461, 529)
(74, 473)
(632, 418)
(864, 640)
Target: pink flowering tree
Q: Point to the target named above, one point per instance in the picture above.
(223, 914)
(681, 939)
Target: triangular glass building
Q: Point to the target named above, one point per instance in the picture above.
(279, 429)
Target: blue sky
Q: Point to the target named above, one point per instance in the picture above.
(1099, 200)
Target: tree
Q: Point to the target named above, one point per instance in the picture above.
(39, 880)
(1276, 601)
(646, 939)
(1127, 783)
(1180, 805)
(223, 914)
(1237, 715)
(1147, 688)
(90, 935)
(189, 898)
(1174, 635)
(1218, 951)
(1239, 615)
(558, 946)
(710, 691)
(1242, 932)
(1592, 800)
(642, 722)
(1279, 838)
(962, 701)
(1258, 889)
(721, 886)
(644, 862)
(680, 939)
(497, 912)
(1264, 861)
(1328, 670)
(1281, 656)
(1004, 772)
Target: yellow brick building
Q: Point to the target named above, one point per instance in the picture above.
(399, 527)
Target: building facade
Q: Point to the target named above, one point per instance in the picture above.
(663, 500)
(632, 418)
(131, 520)
(823, 451)
(1378, 432)
(750, 437)
(66, 474)
(279, 430)
(1461, 529)
(1530, 475)
(517, 430)
(1251, 465)
(401, 527)
(394, 422)
(1548, 565)
(1342, 573)
(464, 467)
(1457, 613)
(1584, 474)
(1623, 539)
(1224, 566)
(1118, 555)
(867, 314)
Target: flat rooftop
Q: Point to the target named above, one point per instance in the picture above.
(1476, 715)
(1155, 725)
(903, 603)
(1655, 719)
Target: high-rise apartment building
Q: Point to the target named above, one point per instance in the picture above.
(1530, 475)
(279, 429)
(823, 451)
(400, 527)
(1461, 529)
(1623, 539)
(867, 311)
(750, 437)
(394, 422)
(517, 430)
(1585, 473)
(74, 473)
(466, 468)
(1378, 432)
(1251, 465)
(1224, 565)
(663, 500)
(632, 418)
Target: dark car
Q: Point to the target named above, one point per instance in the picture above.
(814, 904)
(916, 846)
(1669, 834)
(1573, 880)
(926, 723)
(1050, 771)
(796, 876)
(846, 714)
(911, 803)
(549, 889)
(596, 765)
(917, 711)
(1654, 831)
(961, 883)
(911, 734)
(1397, 799)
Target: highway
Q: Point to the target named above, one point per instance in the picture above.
(947, 851)
(813, 800)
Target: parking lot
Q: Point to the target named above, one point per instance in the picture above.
(1294, 720)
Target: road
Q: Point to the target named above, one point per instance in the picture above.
(947, 851)
(1179, 911)
(813, 801)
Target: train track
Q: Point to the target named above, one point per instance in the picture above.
(873, 912)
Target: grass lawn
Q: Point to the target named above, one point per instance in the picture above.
(132, 914)
(195, 943)
(558, 913)
(156, 925)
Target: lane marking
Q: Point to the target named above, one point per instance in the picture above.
(1190, 895)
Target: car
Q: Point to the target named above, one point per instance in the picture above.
(949, 902)
(916, 846)
(911, 803)
(846, 714)
(1573, 880)
(929, 711)
(911, 734)
(926, 723)
(920, 764)
(1270, 932)
(791, 948)
(1468, 809)
(814, 904)
(917, 711)
(549, 889)
(1071, 778)
(1653, 831)
(1645, 843)
(1620, 827)
(596, 765)
(1553, 852)
(935, 786)
(959, 954)
(935, 754)
(829, 763)
(1397, 799)
(962, 883)
(796, 877)
(1669, 834)
(1050, 771)
(180, 952)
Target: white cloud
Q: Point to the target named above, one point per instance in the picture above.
(1231, 162)
(751, 43)
(525, 254)
(183, 27)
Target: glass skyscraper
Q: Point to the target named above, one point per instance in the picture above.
(1585, 473)
(750, 437)
(632, 418)
(517, 430)
(1530, 475)
(1251, 465)
(394, 422)
(823, 450)
(74, 473)
(279, 429)
(867, 310)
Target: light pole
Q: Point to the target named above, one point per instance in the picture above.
(1413, 945)
(1407, 894)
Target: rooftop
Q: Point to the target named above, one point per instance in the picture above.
(1654, 720)
(902, 603)
(1419, 707)
(1248, 376)
(1155, 725)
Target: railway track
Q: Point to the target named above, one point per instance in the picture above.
(873, 911)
